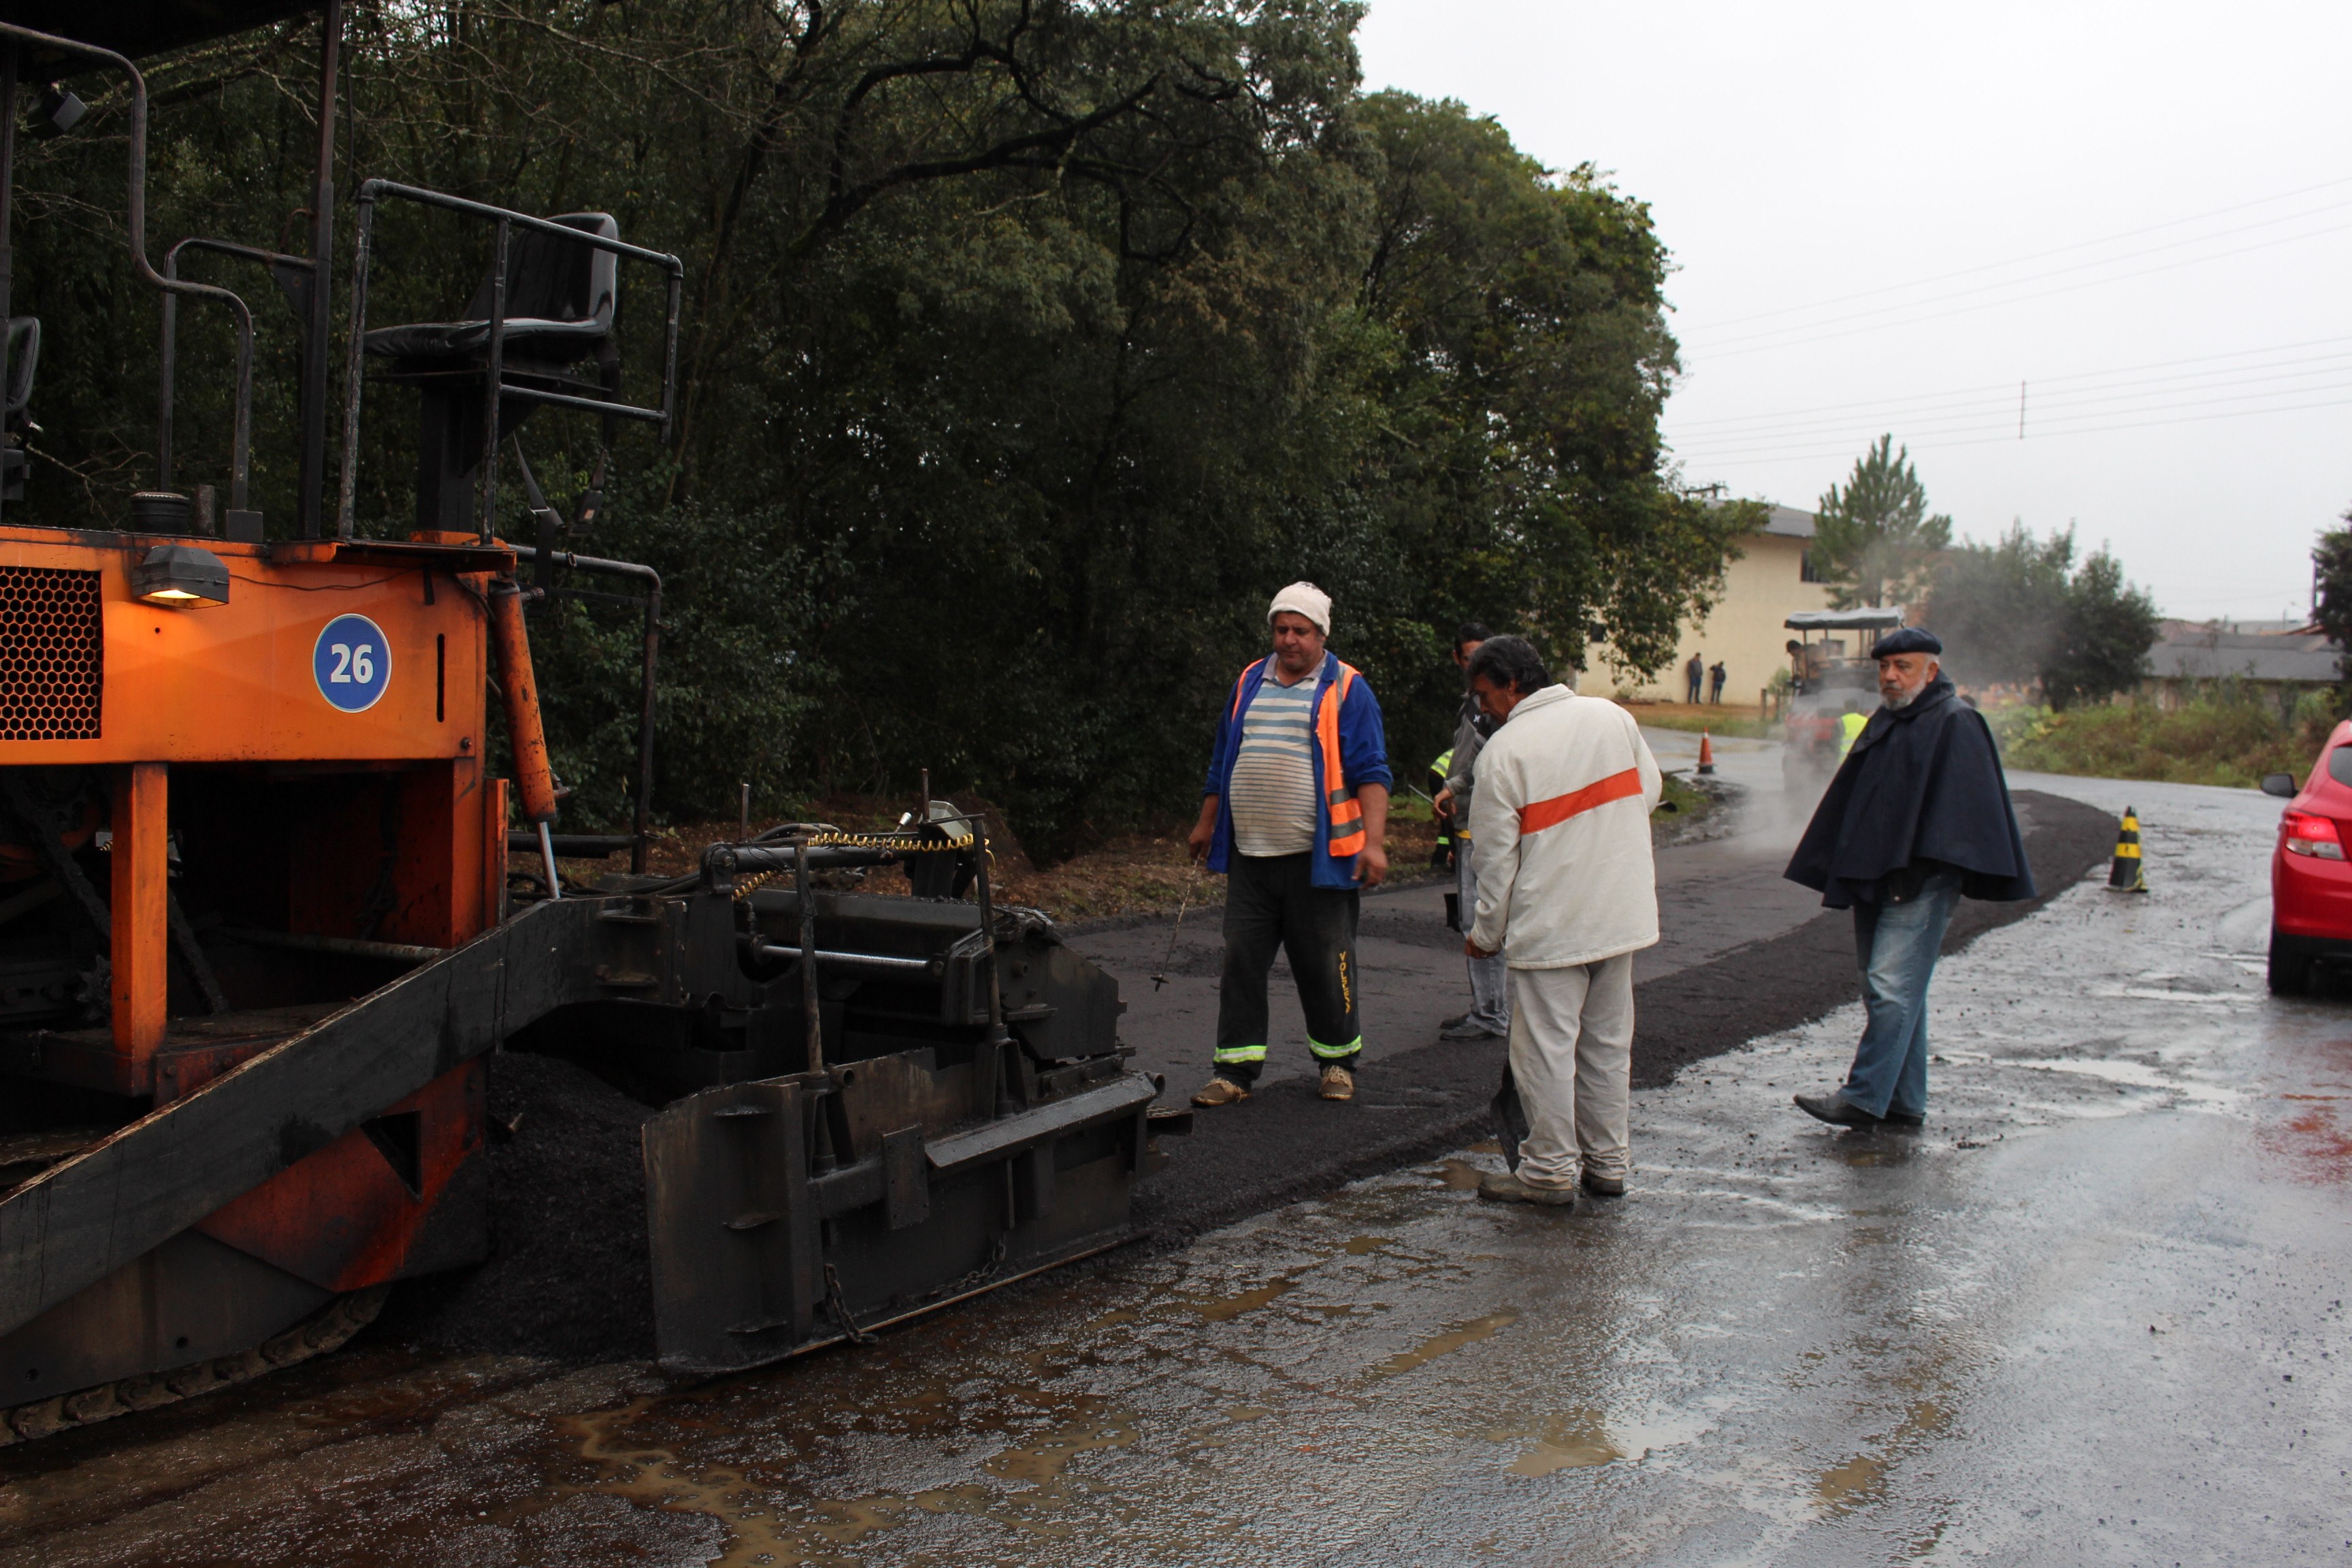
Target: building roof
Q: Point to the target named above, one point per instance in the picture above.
(1788, 523)
(2197, 654)
(1865, 617)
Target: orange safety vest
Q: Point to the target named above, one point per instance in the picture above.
(1343, 814)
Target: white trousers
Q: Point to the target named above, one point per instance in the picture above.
(1573, 1057)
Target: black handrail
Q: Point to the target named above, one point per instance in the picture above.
(642, 834)
(241, 451)
(135, 219)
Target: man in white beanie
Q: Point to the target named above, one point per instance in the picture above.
(1294, 814)
(1568, 893)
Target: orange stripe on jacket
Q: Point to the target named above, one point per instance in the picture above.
(1551, 812)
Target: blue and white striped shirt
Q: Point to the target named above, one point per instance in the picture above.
(1273, 790)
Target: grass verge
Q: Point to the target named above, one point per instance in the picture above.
(2228, 736)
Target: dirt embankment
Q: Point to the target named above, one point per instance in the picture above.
(1131, 874)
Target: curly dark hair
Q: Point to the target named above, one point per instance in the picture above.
(1510, 661)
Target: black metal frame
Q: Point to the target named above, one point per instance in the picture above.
(241, 446)
(496, 388)
(641, 830)
(309, 494)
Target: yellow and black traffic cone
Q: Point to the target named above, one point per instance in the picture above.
(1705, 753)
(2127, 875)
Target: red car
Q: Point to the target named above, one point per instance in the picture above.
(2311, 880)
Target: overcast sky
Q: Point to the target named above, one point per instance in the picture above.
(1886, 217)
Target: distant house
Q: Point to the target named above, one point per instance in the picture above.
(1773, 579)
(2277, 657)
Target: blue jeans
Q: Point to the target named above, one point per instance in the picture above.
(1490, 978)
(1896, 945)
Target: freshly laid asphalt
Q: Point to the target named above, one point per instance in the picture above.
(1746, 954)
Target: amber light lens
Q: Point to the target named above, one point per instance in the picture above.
(2304, 833)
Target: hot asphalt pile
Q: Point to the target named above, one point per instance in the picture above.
(568, 1277)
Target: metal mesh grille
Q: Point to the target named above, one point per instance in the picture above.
(52, 654)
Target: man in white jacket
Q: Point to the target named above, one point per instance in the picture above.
(1568, 893)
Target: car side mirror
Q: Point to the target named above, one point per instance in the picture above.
(2279, 784)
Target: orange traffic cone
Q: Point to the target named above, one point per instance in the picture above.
(1705, 753)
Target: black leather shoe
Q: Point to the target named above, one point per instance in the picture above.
(1837, 1110)
(1905, 1119)
(1602, 1187)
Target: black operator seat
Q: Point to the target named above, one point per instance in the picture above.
(560, 298)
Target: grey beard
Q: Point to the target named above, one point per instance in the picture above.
(1905, 701)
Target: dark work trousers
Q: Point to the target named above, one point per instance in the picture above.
(1271, 902)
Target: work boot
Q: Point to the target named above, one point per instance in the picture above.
(1602, 1187)
(1836, 1110)
(1467, 1028)
(1505, 1187)
(1219, 1091)
(1338, 1083)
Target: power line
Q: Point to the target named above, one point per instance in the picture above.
(2096, 430)
(1791, 337)
(2079, 398)
(1876, 404)
(2041, 255)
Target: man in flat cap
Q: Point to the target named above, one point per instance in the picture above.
(1918, 817)
(1295, 813)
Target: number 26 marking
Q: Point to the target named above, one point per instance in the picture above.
(351, 666)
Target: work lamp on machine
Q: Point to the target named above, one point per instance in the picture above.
(180, 576)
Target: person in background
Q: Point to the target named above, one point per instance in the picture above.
(1490, 1018)
(1568, 893)
(1715, 679)
(1916, 818)
(1692, 673)
(1850, 723)
(1295, 814)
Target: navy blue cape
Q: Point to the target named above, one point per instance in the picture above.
(1922, 783)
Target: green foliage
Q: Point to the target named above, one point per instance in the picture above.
(1874, 538)
(2103, 647)
(2019, 611)
(1028, 348)
(2331, 562)
(2227, 734)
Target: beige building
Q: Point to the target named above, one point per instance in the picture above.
(1772, 581)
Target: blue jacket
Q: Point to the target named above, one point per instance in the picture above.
(1363, 760)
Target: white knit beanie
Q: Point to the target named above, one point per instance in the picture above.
(1304, 599)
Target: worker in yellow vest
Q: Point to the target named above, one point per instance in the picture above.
(1850, 724)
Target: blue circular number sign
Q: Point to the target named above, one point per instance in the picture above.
(351, 663)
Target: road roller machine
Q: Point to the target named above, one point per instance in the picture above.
(259, 936)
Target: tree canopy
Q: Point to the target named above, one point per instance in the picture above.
(1874, 537)
(2331, 573)
(2022, 611)
(1029, 346)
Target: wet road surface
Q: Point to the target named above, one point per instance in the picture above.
(2094, 1313)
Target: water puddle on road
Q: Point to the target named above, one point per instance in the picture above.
(1460, 1174)
(1446, 1344)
